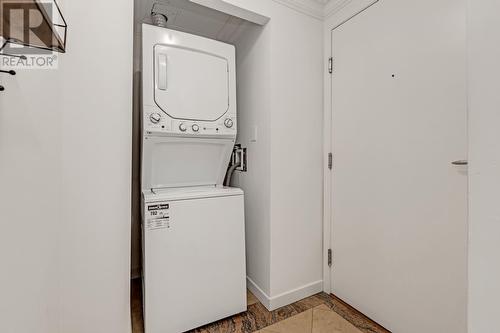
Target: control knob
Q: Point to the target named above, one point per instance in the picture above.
(183, 127)
(195, 128)
(155, 117)
(228, 123)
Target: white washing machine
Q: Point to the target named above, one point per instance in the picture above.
(194, 257)
(193, 227)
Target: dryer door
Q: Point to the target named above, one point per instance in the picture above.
(191, 84)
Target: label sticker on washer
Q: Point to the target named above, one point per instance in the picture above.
(157, 207)
(158, 216)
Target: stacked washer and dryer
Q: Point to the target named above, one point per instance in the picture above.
(193, 227)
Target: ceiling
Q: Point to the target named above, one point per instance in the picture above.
(190, 17)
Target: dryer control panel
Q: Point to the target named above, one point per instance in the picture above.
(156, 121)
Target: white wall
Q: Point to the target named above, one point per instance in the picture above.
(280, 93)
(484, 156)
(296, 152)
(254, 115)
(30, 201)
(65, 152)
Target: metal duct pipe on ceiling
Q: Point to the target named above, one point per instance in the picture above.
(159, 20)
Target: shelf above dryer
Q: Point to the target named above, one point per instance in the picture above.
(214, 19)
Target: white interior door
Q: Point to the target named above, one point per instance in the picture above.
(399, 207)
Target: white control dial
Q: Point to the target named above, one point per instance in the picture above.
(155, 117)
(228, 123)
(183, 127)
(195, 128)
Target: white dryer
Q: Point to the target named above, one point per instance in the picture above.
(193, 228)
(189, 80)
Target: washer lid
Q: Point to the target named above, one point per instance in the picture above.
(191, 84)
(169, 162)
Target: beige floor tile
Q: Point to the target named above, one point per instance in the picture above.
(266, 331)
(251, 299)
(327, 321)
(301, 323)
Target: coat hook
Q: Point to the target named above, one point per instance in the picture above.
(11, 72)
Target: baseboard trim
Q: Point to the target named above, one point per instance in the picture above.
(259, 293)
(286, 298)
(295, 295)
(353, 312)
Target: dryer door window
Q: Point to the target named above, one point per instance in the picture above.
(191, 84)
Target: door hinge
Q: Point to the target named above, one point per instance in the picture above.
(330, 161)
(330, 65)
(329, 257)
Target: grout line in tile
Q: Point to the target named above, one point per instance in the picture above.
(312, 319)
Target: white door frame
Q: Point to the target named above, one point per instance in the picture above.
(349, 11)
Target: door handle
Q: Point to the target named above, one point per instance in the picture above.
(460, 162)
(162, 72)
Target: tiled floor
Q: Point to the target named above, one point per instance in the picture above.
(320, 319)
(320, 313)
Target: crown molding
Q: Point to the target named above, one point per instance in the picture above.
(318, 9)
(313, 8)
(334, 6)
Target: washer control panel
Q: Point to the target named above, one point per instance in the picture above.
(159, 122)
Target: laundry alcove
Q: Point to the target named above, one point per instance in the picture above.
(218, 20)
(279, 70)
